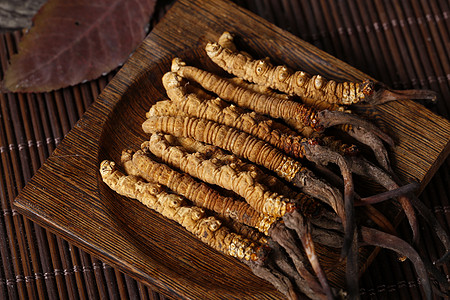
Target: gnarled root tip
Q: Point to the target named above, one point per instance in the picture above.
(405, 189)
(286, 239)
(297, 222)
(386, 95)
(271, 273)
(378, 149)
(329, 118)
(377, 238)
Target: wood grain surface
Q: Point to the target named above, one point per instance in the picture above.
(67, 195)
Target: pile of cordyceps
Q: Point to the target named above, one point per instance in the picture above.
(235, 161)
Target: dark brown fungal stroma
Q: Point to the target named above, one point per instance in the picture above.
(272, 208)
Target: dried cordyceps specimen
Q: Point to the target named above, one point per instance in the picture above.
(243, 178)
(188, 103)
(201, 194)
(265, 178)
(315, 88)
(139, 164)
(214, 172)
(172, 206)
(246, 98)
(295, 114)
(217, 110)
(212, 232)
(310, 208)
(251, 148)
(263, 128)
(244, 184)
(207, 228)
(262, 154)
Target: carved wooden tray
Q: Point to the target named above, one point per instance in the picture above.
(67, 195)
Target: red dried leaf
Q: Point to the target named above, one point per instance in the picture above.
(77, 40)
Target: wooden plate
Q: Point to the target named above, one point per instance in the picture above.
(67, 195)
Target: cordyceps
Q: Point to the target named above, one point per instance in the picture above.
(241, 171)
(139, 164)
(251, 148)
(200, 105)
(259, 153)
(291, 112)
(310, 208)
(319, 93)
(314, 89)
(304, 119)
(207, 228)
(211, 172)
(265, 261)
(173, 206)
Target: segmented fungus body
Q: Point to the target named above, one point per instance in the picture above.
(213, 172)
(284, 79)
(245, 184)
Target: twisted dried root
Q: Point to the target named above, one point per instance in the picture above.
(239, 165)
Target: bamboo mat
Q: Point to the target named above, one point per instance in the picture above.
(405, 44)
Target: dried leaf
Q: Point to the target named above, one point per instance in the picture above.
(77, 40)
